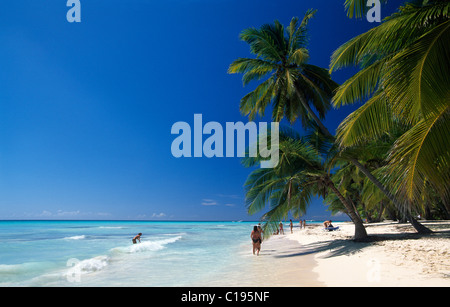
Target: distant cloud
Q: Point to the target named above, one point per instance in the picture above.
(61, 214)
(213, 202)
(67, 213)
(209, 202)
(158, 215)
(45, 213)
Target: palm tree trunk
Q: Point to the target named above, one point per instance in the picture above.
(360, 230)
(419, 227)
(380, 211)
(313, 115)
(366, 212)
(446, 206)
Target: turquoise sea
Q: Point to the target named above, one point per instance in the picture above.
(100, 253)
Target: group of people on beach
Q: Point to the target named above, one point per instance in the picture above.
(280, 229)
(257, 234)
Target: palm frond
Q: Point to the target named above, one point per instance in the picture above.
(369, 122)
(423, 152)
(297, 31)
(252, 69)
(360, 86)
(255, 102)
(418, 77)
(396, 33)
(262, 43)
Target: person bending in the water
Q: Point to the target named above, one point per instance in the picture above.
(138, 237)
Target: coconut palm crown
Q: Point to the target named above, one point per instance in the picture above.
(291, 85)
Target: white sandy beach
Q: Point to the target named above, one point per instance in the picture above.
(398, 258)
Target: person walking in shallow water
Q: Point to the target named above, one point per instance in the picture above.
(260, 231)
(256, 240)
(138, 237)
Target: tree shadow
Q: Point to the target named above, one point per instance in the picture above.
(347, 247)
(335, 247)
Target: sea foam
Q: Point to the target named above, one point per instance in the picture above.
(146, 246)
(89, 265)
(76, 237)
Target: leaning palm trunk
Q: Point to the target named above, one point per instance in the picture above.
(313, 115)
(417, 226)
(360, 230)
(447, 207)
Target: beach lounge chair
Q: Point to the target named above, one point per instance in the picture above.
(331, 228)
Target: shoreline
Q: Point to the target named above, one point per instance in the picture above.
(396, 257)
(281, 263)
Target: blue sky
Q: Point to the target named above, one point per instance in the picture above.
(86, 108)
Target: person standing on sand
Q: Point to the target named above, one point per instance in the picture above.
(138, 237)
(256, 239)
(281, 228)
(291, 225)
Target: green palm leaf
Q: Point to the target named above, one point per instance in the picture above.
(406, 71)
(369, 122)
(295, 87)
(418, 78)
(423, 153)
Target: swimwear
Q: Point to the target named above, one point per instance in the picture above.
(134, 241)
(257, 240)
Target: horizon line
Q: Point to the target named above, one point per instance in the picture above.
(131, 220)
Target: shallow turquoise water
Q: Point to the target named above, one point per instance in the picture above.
(100, 253)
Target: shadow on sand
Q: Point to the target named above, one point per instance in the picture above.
(339, 247)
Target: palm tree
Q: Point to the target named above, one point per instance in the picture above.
(291, 84)
(405, 75)
(302, 172)
(355, 185)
